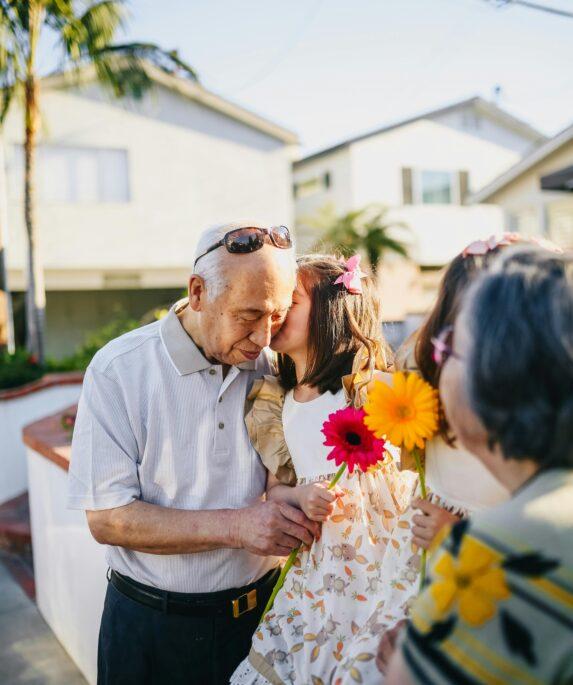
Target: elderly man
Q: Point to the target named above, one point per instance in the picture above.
(162, 464)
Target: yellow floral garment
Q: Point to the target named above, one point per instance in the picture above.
(498, 607)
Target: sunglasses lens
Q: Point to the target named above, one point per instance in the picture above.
(245, 240)
(281, 236)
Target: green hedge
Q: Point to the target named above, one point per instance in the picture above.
(18, 369)
(21, 368)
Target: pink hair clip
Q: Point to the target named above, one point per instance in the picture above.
(353, 275)
(546, 244)
(481, 247)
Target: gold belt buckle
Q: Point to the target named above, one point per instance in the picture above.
(251, 603)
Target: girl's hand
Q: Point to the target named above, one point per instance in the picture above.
(316, 500)
(429, 523)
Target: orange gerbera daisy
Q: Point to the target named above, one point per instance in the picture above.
(405, 413)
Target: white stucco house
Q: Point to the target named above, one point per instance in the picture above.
(423, 169)
(536, 193)
(124, 188)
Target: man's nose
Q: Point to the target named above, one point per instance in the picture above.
(261, 336)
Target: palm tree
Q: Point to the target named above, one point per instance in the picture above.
(85, 30)
(363, 230)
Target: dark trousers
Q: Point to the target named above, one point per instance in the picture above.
(139, 645)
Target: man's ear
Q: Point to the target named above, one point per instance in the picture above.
(197, 292)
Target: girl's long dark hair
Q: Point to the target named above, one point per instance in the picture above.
(340, 324)
(459, 274)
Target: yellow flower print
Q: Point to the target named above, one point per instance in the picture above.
(474, 582)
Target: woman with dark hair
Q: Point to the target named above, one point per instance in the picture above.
(329, 347)
(498, 607)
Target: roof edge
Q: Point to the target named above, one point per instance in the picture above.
(508, 119)
(523, 165)
(189, 89)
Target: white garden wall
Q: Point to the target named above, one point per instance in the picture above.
(69, 565)
(17, 409)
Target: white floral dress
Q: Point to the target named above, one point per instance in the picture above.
(331, 592)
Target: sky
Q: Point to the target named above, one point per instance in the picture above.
(329, 69)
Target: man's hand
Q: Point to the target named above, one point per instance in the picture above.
(387, 646)
(272, 529)
(316, 500)
(429, 523)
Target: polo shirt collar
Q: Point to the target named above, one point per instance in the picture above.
(185, 356)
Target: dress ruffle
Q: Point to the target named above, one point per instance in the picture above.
(265, 428)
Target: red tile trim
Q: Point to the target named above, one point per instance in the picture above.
(48, 438)
(48, 381)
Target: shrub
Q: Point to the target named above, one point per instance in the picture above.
(18, 369)
(93, 342)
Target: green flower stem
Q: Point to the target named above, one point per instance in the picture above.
(337, 476)
(292, 556)
(280, 582)
(422, 474)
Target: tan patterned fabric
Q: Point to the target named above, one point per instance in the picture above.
(265, 427)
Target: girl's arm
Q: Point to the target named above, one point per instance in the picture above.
(315, 499)
(277, 492)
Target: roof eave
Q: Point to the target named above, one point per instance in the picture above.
(191, 90)
(523, 166)
(507, 119)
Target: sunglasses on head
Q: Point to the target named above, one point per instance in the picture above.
(251, 239)
(443, 346)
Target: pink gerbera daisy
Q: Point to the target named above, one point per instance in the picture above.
(352, 442)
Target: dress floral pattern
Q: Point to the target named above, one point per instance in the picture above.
(364, 560)
(402, 571)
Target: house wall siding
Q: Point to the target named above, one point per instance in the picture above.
(189, 167)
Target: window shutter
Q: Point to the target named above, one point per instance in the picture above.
(463, 185)
(407, 197)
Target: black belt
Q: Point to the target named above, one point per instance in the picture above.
(228, 603)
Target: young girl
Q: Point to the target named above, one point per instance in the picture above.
(332, 330)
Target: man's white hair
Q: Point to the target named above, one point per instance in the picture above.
(209, 267)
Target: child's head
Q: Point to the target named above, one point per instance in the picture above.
(460, 274)
(327, 324)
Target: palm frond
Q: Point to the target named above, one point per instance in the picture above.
(122, 74)
(362, 230)
(18, 11)
(9, 18)
(12, 67)
(166, 60)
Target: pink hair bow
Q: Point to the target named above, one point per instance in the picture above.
(353, 275)
(481, 247)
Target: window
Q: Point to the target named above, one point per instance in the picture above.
(74, 175)
(435, 187)
(312, 186)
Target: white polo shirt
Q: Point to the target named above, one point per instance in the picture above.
(156, 422)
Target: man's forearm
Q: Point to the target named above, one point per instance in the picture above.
(154, 529)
